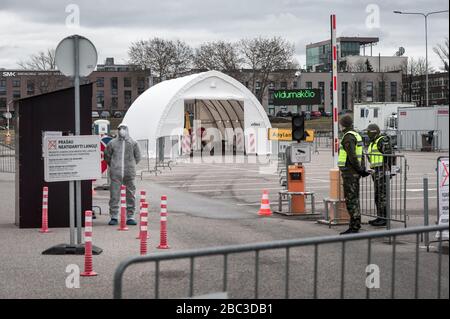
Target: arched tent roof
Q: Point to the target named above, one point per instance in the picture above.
(159, 111)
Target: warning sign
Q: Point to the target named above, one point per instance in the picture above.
(443, 200)
(71, 158)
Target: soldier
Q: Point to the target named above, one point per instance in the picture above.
(349, 162)
(380, 144)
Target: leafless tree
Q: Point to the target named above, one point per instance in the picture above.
(165, 58)
(219, 55)
(442, 52)
(42, 61)
(417, 69)
(264, 56)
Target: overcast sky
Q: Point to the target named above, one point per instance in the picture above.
(28, 26)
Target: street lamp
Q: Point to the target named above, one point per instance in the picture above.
(425, 15)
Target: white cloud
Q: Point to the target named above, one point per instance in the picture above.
(27, 27)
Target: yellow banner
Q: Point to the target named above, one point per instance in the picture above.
(280, 134)
(285, 134)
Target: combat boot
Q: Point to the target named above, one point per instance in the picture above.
(374, 221)
(380, 223)
(350, 231)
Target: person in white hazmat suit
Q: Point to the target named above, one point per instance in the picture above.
(122, 154)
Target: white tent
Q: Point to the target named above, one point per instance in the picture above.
(160, 110)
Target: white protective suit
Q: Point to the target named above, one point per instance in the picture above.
(122, 154)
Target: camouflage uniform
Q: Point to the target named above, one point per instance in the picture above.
(351, 178)
(379, 176)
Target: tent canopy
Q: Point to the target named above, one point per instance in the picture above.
(160, 110)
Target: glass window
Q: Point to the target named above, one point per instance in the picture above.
(322, 92)
(127, 82)
(381, 91)
(16, 94)
(283, 85)
(363, 114)
(344, 93)
(308, 85)
(3, 102)
(127, 98)
(100, 99)
(100, 82)
(114, 86)
(375, 112)
(2, 86)
(114, 102)
(30, 87)
(16, 83)
(141, 85)
(393, 91)
(369, 91)
(295, 84)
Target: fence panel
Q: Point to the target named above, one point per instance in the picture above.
(419, 140)
(385, 190)
(7, 158)
(405, 263)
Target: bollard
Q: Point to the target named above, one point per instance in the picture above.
(123, 210)
(163, 224)
(44, 228)
(141, 201)
(144, 228)
(88, 271)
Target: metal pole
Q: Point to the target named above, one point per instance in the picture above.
(388, 200)
(425, 209)
(426, 59)
(71, 213)
(77, 132)
(335, 96)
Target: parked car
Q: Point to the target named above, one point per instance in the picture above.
(95, 114)
(118, 114)
(326, 114)
(316, 114)
(284, 114)
(105, 114)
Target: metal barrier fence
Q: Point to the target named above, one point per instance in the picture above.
(7, 158)
(383, 194)
(420, 140)
(315, 243)
(153, 165)
(323, 139)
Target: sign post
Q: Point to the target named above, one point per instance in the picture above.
(76, 56)
(70, 158)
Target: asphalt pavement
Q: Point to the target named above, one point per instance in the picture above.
(216, 204)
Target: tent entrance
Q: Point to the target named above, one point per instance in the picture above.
(210, 122)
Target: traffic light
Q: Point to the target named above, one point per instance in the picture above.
(298, 128)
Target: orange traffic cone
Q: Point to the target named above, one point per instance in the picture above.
(265, 205)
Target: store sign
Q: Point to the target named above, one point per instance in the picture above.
(443, 200)
(297, 97)
(71, 158)
(277, 134)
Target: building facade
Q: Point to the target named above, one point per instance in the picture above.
(115, 87)
(414, 89)
(318, 55)
(355, 87)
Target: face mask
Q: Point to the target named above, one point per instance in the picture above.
(122, 132)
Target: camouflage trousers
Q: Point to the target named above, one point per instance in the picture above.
(351, 195)
(379, 182)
